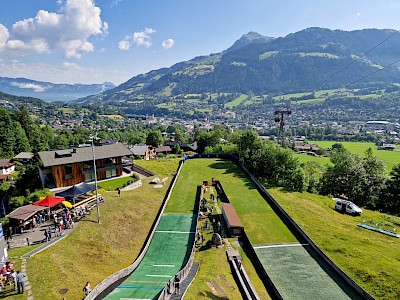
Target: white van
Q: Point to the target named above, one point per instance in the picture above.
(347, 207)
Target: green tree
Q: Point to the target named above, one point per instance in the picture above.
(177, 149)
(360, 180)
(154, 138)
(25, 119)
(390, 198)
(313, 172)
(7, 134)
(21, 140)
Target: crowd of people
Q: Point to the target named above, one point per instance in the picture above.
(9, 276)
(51, 223)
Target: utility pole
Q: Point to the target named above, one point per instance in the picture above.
(279, 118)
(92, 138)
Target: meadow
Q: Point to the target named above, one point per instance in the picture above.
(371, 259)
(390, 158)
(236, 101)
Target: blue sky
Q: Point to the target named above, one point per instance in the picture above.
(85, 41)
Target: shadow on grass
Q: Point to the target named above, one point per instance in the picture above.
(209, 295)
(205, 247)
(8, 291)
(234, 170)
(196, 201)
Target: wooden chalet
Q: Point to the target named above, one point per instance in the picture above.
(72, 166)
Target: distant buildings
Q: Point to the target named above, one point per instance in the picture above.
(6, 167)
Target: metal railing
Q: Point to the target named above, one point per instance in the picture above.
(108, 284)
(182, 274)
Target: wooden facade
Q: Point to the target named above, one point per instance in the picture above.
(62, 179)
(60, 176)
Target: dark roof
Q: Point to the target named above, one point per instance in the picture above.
(77, 190)
(108, 141)
(163, 149)
(5, 163)
(192, 146)
(68, 156)
(186, 146)
(171, 143)
(25, 212)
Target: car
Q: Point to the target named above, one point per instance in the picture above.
(347, 207)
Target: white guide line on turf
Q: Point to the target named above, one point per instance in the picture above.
(166, 266)
(281, 245)
(167, 231)
(166, 276)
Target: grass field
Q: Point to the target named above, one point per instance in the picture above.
(391, 158)
(213, 262)
(92, 251)
(305, 158)
(113, 184)
(236, 101)
(371, 259)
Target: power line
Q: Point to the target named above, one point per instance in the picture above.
(352, 62)
(370, 74)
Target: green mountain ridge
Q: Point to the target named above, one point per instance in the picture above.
(299, 62)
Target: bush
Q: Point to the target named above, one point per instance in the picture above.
(4, 221)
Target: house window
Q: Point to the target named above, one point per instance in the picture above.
(111, 173)
(68, 172)
(89, 176)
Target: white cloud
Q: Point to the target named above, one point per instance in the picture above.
(358, 14)
(124, 45)
(68, 30)
(3, 35)
(143, 38)
(139, 38)
(169, 43)
(26, 85)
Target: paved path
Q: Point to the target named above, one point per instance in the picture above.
(184, 285)
(36, 235)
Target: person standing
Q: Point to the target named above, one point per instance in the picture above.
(87, 289)
(13, 275)
(20, 282)
(176, 283)
(10, 232)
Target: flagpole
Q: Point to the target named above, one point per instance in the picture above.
(95, 179)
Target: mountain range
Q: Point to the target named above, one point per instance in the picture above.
(308, 60)
(305, 61)
(50, 91)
